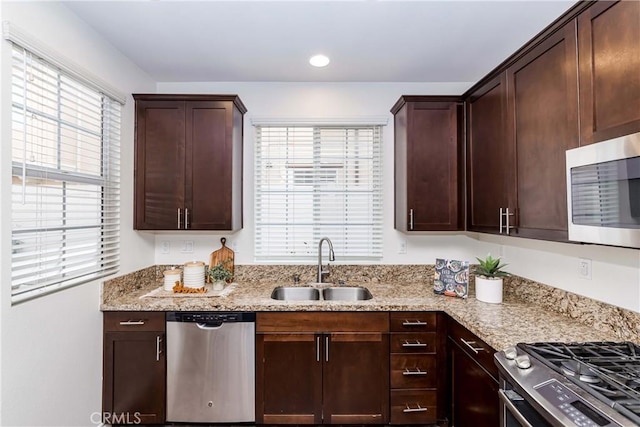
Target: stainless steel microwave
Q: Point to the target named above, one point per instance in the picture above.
(603, 192)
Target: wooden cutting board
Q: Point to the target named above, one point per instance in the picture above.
(224, 254)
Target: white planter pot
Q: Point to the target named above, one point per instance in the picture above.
(489, 290)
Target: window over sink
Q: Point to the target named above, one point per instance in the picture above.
(316, 181)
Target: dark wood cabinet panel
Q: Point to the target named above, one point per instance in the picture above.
(289, 379)
(329, 376)
(473, 380)
(542, 120)
(159, 163)
(488, 154)
(356, 385)
(428, 165)
(134, 369)
(609, 79)
(188, 165)
(414, 407)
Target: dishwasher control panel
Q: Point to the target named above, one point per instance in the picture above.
(210, 317)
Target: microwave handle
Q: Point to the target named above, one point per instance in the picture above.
(509, 406)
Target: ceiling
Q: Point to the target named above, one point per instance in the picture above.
(367, 40)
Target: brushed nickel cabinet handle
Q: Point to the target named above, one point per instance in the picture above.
(406, 343)
(326, 348)
(132, 322)
(501, 225)
(414, 323)
(408, 372)
(410, 219)
(317, 349)
(471, 345)
(158, 348)
(186, 218)
(178, 218)
(417, 409)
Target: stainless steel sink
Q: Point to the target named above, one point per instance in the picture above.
(293, 293)
(348, 293)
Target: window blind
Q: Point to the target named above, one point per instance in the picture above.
(65, 179)
(317, 181)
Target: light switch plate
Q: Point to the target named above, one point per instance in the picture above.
(584, 268)
(187, 246)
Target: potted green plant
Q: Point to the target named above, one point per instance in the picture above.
(488, 276)
(219, 275)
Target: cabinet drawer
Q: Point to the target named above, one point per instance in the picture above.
(413, 371)
(413, 321)
(422, 342)
(413, 406)
(120, 321)
(477, 349)
(322, 322)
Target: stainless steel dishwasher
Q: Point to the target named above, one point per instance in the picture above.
(210, 367)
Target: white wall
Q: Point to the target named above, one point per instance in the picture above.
(51, 347)
(615, 271)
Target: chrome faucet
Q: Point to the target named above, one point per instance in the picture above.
(332, 257)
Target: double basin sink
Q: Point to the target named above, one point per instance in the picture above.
(308, 293)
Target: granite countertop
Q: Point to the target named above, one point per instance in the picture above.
(500, 325)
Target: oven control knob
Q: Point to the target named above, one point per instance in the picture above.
(510, 353)
(523, 362)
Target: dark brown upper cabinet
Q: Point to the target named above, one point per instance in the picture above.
(428, 163)
(542, 123)
(488, 156)
(609, 55)
(188, 162)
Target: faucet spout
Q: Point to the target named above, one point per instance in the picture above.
(332, 257)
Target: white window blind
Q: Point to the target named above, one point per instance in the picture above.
(65, 180)
(317, 181)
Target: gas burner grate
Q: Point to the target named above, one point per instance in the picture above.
(609, 371)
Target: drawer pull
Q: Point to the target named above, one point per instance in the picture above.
(132, 322)
(406, 343)
(418, 409)
(158, 348)
(414, 323)
(472, 345)
(408, 372)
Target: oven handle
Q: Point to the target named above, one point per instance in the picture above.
(512, 408)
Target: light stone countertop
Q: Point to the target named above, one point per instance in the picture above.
(500, 325)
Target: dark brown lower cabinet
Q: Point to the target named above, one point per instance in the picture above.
(473, 380)
(134, 368)
(338, 376)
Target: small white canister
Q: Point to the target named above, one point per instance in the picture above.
(194, 274)
(170, 278)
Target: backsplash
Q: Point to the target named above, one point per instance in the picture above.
(621, 323)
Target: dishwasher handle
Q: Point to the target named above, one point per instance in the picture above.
(209, 326)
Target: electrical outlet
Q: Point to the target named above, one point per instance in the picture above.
(187, 246)
(165, 247)
(402, 246)
(584, 268)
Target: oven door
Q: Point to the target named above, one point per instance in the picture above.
(515, 411)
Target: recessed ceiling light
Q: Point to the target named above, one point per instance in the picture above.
(319, 61)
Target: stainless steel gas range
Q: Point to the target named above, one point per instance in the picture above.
(570, 384)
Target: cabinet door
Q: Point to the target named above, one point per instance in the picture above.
(209, 165)
(432, 166)
(134, 377)
(289, 378)
(474, 392)
(488, 165)
(543, 124)
(159, 164)
(609, 55)
(356, 378)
